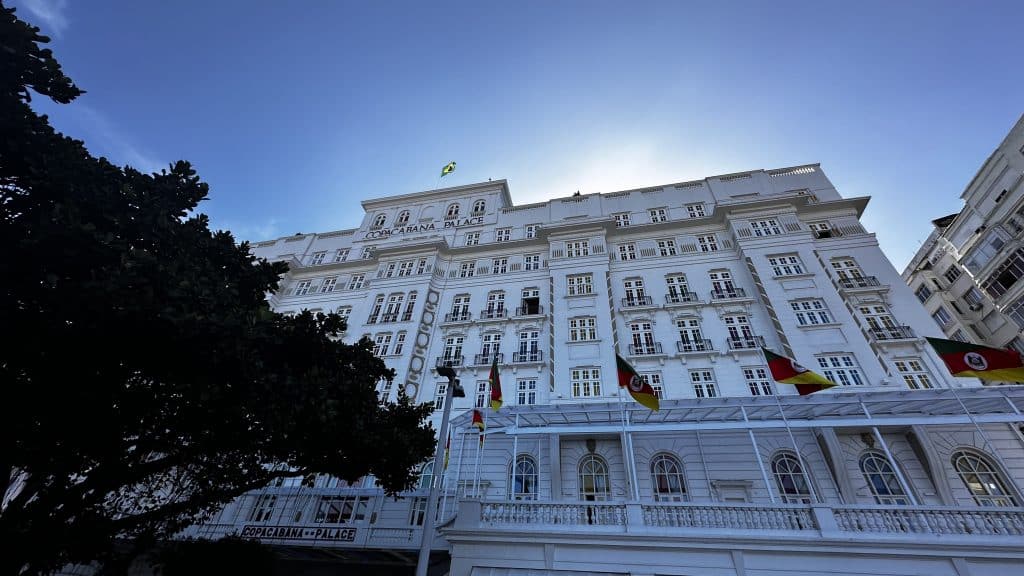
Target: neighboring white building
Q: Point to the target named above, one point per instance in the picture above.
(885, 474)
(967, 271)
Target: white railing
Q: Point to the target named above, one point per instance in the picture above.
(915, 520)
(394, 536)
(736, 516)
(1004, 524)
(553, 513)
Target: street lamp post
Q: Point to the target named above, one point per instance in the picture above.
(454, 391)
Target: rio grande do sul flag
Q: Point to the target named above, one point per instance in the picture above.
(640, 390)
(787, 371)
(495, 379)
(965, 359)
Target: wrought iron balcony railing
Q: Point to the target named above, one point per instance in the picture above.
(894, 333)
(463, 316)
(859, 282)
(681, 298)
(703, 345)
(729, 294)
(451, 361)
(493, 313)
(529, 310)
(745, 342)
(636, 301)
(528, 356)
(649, 349)
(487, 359)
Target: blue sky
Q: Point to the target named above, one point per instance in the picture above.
(295, 111)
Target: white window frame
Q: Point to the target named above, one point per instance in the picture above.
(841, 368)
(914, 373)
(577, 248)
(472, 238)
(811, 312)
(708, 242)
(585, 382)
(583, 329)
(786, 265)
(503, 235)
(766, 227)
(667, 247)
(658, 215)
(621, 219)
(703, 381)
(696, 210)
(579, 284)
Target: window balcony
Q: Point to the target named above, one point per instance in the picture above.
(650, 349)
(536, 310)
(487, 359)
(493, 314)
(688, 346)
(731, 294)
(893, 333)
(457, 317)
(637, 302)
(528, 356)
(861, 282)
(682, 298)
(452, 361)
(745, 343)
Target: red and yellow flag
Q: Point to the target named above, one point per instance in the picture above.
(478, 420)
(638, 388)
(495, 379)
(787, 371)
(965, 359)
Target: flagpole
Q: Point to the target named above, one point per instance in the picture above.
(799, 457)
(757, 454)
(632, 459)
(984, 437)
(625, 445)
(515, 458)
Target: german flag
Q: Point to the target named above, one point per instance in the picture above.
(787, 371)
(638, 388)
(965, 359)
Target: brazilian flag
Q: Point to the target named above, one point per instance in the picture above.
(448, 169)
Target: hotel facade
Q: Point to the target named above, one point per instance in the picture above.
(901, 469)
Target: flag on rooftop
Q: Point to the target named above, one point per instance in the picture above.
(495, 379)
(966, 359)
(788, 371)
(638, 388)
(448, 169)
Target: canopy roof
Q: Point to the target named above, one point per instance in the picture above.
(848, 409)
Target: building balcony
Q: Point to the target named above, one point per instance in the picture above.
(690, 346)
(861, 283)
(637, 302)
(493, 314)
(720, 520)
(535, 310)
(529, 356)
(682, 298)
(650, 349)
(451, 361)
(731, 294)
(487, 359)
(745, 343)
(893, 333)
(453, 317)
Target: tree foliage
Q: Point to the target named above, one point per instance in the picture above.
(145, 381)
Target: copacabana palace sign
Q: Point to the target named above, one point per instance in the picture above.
(388, 232)
(298, 533)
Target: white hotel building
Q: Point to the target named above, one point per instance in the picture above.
(902, 469)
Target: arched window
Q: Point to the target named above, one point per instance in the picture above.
(882, 479)
(983, 480)
(667, 479)
(403, 218)
(478, 207)
(593, 478)
(379, 220)
(452, 212)
(790, 478)
(426, 476)
(523, 478)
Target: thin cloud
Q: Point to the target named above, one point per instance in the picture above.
(52, 14)
(108, 140)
